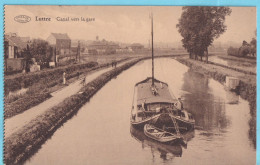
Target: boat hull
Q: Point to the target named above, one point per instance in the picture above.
(167, 139)
(140, 124)
(184, 125)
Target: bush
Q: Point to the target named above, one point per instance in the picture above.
(16, 82)
(21, 144)
(244, 50)
(233, 51)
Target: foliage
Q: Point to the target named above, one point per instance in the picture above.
(21, 144)
(18, 81)
(39, 49)
(233, 51)
(253, 46)
(244, 50)
(199, 26)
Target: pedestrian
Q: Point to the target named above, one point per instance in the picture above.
(64, 78)
(78, 74)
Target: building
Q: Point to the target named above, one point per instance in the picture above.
(136, 47)
(14, 46)
(61, 42)
(14, 49)
(102, 47)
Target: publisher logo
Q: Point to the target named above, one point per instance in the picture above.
(22, 18)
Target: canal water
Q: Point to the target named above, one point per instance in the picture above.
(101, 133)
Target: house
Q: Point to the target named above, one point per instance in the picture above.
(14, 46)
(14, 52)
(61, 42)
(136, 46)
(102, 47)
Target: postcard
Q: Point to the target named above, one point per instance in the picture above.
(130, 85)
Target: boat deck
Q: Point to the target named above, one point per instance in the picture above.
(145, 92)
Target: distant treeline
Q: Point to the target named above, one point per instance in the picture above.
(245, 50)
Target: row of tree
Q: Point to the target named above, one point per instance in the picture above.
(199, 26)
(244, 50)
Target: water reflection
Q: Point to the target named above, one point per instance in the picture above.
(99, 133)
(166, 152)
(208, 109)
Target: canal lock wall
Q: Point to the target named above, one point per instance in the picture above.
(246, 90)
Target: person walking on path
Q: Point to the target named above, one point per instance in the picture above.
(78, 74)
(64, 78)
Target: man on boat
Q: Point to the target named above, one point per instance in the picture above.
(179, 104)
(144, 105)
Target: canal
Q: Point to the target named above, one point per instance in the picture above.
(100, 133)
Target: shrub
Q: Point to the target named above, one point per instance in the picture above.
(16, 82)
(233, 51)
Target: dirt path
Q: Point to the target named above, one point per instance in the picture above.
(14, 123)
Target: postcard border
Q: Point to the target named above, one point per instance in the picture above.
(126, 3)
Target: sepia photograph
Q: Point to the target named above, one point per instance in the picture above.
(129, 85)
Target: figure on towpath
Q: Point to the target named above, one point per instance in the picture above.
(64, 78)
(84, 81)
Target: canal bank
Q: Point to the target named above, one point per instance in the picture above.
(101, 133)
(247, 84)
(27, 140)
(46, 85)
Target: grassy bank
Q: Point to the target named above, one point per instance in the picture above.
(25, 80)
(26, 141)
(247, 85)
(39, 92)
(233, 68)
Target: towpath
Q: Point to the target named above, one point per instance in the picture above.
(18, 121)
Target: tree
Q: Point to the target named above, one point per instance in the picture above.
(39, 49)
(199, 26)
(28, 58)
(244, 50)
(245, 43)
(253, 45)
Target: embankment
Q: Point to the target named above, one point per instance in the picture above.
(16, 82)
(40, 91)
(19, 146)
(247, 85)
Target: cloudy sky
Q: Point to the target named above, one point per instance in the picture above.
(120, 23)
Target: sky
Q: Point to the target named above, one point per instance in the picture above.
(128, 24)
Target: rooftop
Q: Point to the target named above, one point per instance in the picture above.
(61, 36)
(16, 41)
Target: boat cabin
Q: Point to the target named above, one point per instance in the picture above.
(152, 99)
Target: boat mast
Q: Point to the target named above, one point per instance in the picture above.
(152, 51)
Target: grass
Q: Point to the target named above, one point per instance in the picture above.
(39, 92)
(23, 143)
(25, 80)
